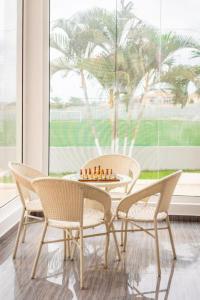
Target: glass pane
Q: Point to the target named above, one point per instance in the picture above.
(179, 109)
(8, 95)
(137, 68)
(128, 84)
(83, 41)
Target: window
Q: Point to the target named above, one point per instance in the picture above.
(125, 78)
(10, 99)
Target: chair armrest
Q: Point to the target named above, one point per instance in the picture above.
(126, 203)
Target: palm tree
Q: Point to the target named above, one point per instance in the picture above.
(156, 55)
(74, 43)
(132, 58)
(110, 66)
(124, 57)
(178, 79)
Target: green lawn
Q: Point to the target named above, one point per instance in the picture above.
(161, 173)
(7, 133)
(151, 133)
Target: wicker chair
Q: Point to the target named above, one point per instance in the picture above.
(120, 164)
(23, 176)
(131, 211)
(63, 203)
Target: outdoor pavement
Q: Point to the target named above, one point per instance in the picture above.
(188, 184)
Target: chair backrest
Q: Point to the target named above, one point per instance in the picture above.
(167, 186)
(64, 199)
(120, 164)
(164, 187)
(23, 176)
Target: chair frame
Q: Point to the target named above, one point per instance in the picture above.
(23, 182)
(89, 192)
(165, 187)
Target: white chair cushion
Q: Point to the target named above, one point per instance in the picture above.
(143, 212)
(91, 218)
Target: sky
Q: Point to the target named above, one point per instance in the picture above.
(181, 16)
(172, 14)
(8, 19)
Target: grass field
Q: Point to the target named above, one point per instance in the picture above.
(7, 133)
(151, 133)
(161, 173)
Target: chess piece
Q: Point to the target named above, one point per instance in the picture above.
(86, 175)
(99, 170)
(81, 174)
(89, 174)
(95, 173)
(102, 174)
(107, 174)
(112, 176)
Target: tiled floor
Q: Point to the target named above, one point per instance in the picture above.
(132, 278)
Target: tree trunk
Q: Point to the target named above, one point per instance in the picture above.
(128, 124)
(138, 120)
(115, 139)
(140, 115)
(89, 113)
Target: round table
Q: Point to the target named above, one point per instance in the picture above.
(124, 181)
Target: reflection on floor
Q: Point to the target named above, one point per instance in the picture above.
(132, 278)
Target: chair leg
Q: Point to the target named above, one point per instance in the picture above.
(81, 258)
(24, 231)
(157, 291)
(125, 235)
(157, 248)
(74, 245)
(39, 250)
(69, 244)
(65, 247)
(122, 234)
(18, 234)
(106, 246)
(115, 240)
(171, 237)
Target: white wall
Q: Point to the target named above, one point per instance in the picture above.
(36, 83)
(35, 64)
(70, 159)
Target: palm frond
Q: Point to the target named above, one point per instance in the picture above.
(61, 64)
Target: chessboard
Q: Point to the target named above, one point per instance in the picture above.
(99, 180)
(97, 174)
